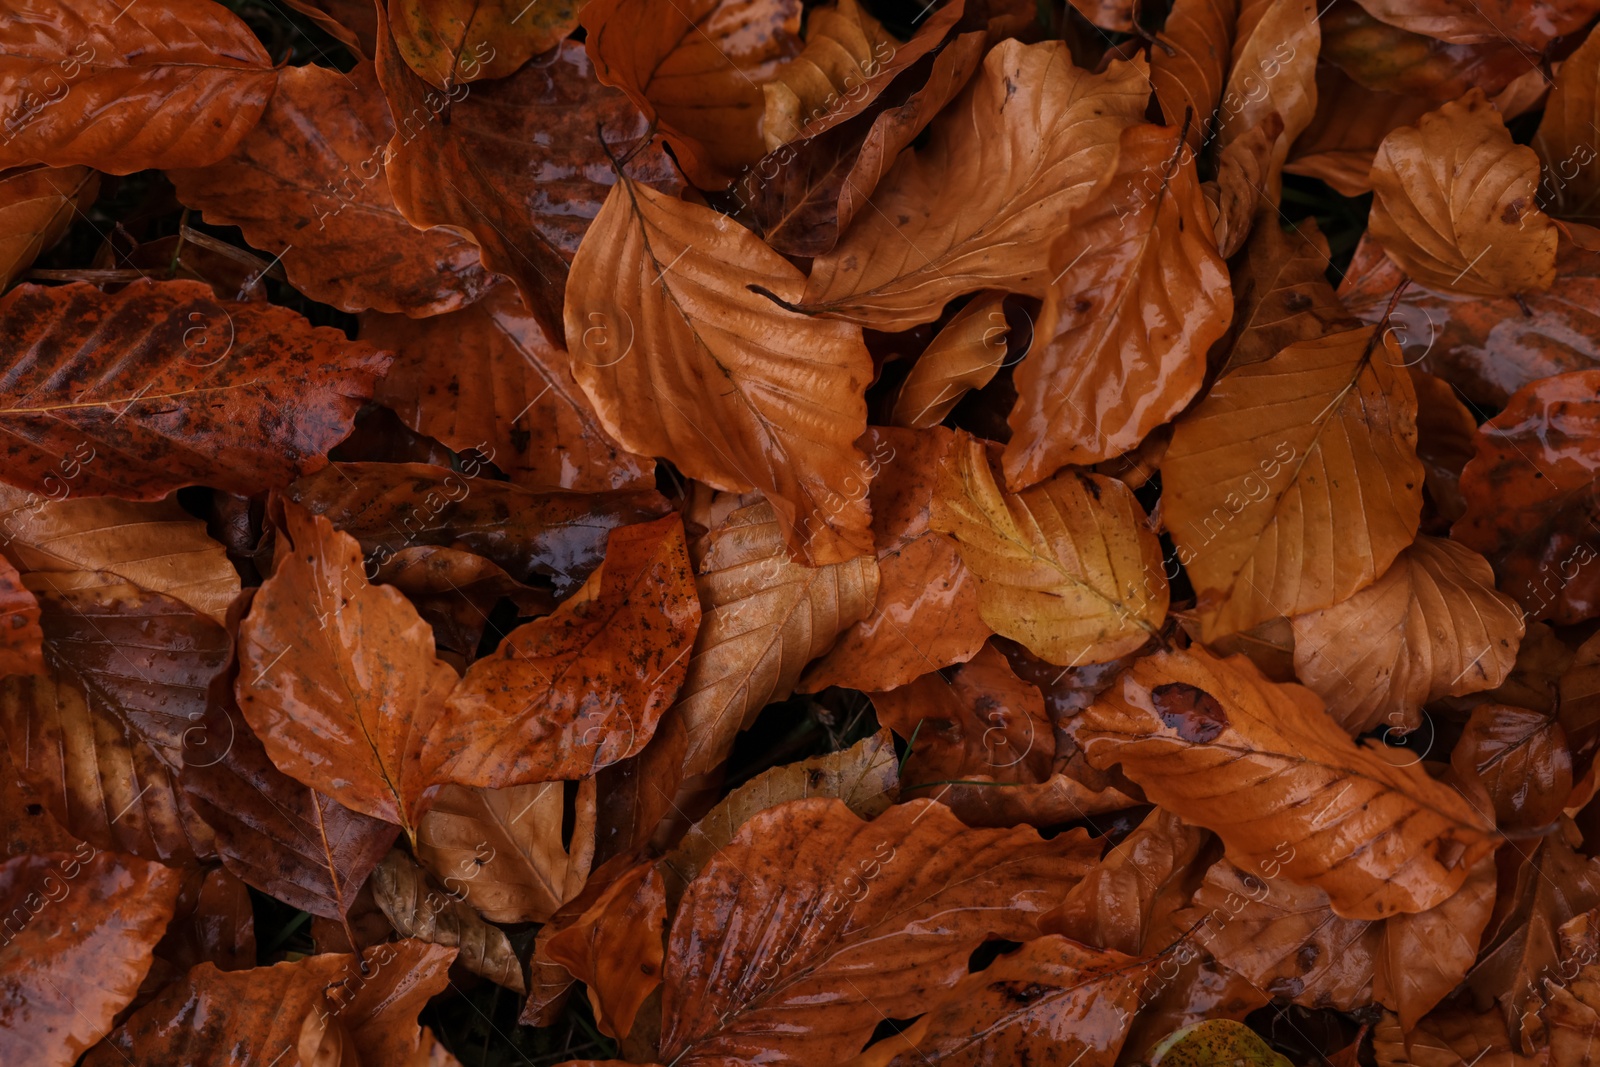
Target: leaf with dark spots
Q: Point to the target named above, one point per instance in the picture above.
(583, 687)
(161, 386)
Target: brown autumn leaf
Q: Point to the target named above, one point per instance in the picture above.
(1275, 50)
(172, 85)
(100, 736)
(583, 687)
(1432, 626)
(389, 507)
(1038, 1004)
(344, 244)
(67, 969)
(1139, 293)
(156, 545)
(1530, 25)
(814, 921)
(37, 205)
(1565, 138)
(944, 224)
(1286, 940)
(449, 42)
(801, 196)
(964, 355)
(1351, 122)
(1281, 293)
(617, 946)
(502, 850)
(1377, 838)
(256, 1015)
(1487, 348)
(1295, 482)
(1239, 195)
(20, 651)
(1389, 59)
(1531, 496)
(925, 615)
(1069, 569)
(864, 776)
(160, 386)
(1454, 203)
(485, 377)
(976, 724)
(521, 164)
(677, 340)
(337, 677)
(696, 70)
(284, 838)
(1120, 904)
(419, 909)
(352, 22)
(1449, 1039)
(1189, 64)
(766, 617)
(1522, 759)
(1549, 883)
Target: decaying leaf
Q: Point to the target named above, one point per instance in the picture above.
(793, 923)
(161, 386)
(418, 909)
(617, 946)
(37, 204)
(583, 687)
(1263, 767)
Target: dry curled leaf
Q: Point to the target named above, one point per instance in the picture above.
(418, 909)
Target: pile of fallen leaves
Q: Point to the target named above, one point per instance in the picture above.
(710, 532)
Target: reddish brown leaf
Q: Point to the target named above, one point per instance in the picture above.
(160, 386)
(486, 378)
(815, 922)
(338, 677)
(388, 507)
(78, 935)
(520, 163)
(344, 244)
(696, 70)
(584, 687)
(617, 946)
(37, 204)
(1263, 767)
(925, 615)
(20, 651)
(89, 82)
(1522, 758)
